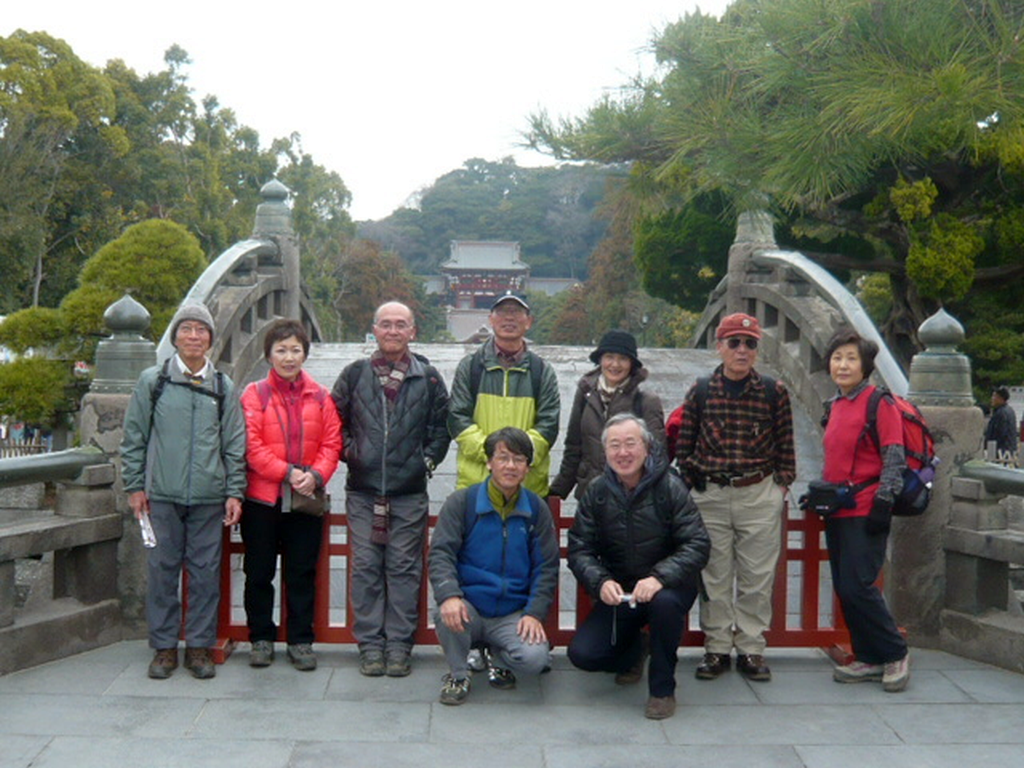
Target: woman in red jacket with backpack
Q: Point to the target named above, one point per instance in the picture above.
(293, 440)
(858, 531)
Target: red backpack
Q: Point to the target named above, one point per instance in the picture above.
(918, 445)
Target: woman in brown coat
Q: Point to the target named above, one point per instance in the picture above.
(613, 387)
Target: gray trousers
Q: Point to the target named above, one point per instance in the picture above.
(386, 578)
(499, 634)
(189, 535)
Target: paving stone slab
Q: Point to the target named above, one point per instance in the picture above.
(719, 756)
(956, 723)
(801, 724)
(226, 752)
(21, 751)
(498, 726)
(315, 721)
(951, 756)
(63, 715)
(322, 754)
(989, 685)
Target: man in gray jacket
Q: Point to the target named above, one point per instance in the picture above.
(394, 410)
(183, 465)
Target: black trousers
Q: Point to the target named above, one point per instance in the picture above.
(594, 647)
(856, 558)
(266, 531)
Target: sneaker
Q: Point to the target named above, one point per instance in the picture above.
(713, 665)
(498, 677)
(660, 707)
(302, 657)
(164, 662)
(896, 675)
(752, 667)
(262, 654)
(475, 660)
(371, 663)
(858, 672)
(454, 692)
(398, 664)
(199, 662)
(633, 675)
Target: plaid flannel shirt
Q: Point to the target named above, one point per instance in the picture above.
(737, 435)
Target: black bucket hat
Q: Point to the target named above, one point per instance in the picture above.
(620, 343)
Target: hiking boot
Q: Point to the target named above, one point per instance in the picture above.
(858, 672)
(199, 662)
(499, 677)
(896, 675)
(164, 662)
(302, 657)
(660, 707)
(713, 665)
(371, 663)
(632, 675)
(262, 654)
(752, 667)
(454, 692)
(398, 664)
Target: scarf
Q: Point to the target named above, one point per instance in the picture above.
(390, 374)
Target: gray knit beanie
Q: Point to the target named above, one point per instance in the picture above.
(192, 311)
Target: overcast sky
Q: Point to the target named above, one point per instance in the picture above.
(390, 95)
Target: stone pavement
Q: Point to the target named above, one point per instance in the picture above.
(99, 709)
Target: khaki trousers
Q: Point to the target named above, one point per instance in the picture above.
(745, 526)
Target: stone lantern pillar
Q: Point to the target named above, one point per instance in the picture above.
(940, 385)
(119, 361)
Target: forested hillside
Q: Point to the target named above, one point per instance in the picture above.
(551, 212)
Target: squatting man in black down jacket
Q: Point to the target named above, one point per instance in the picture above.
(637, 546)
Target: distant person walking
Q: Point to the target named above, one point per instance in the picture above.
(1002, 427)
(611, 388)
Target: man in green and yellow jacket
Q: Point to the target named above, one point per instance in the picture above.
(503, 384)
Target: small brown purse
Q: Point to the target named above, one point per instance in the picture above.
(315, 505)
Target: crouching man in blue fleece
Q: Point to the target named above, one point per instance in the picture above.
(494, 568)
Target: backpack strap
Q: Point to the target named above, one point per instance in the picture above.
(164, 378)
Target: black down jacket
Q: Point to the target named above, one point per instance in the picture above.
(387, 449)
(655, 530)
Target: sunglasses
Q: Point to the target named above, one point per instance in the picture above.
(734, 343)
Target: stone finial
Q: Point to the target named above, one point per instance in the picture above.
(126, 317)
(121, 358)
(940, 375)
(273, 216)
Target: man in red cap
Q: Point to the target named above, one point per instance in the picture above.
(735, 449)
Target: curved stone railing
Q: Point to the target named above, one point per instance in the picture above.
(799, 305)
(251, 284)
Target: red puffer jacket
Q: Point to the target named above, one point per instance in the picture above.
(265, 438)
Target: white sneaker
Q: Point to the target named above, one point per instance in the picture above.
(476, 661)
(858, 672)
(897, 675)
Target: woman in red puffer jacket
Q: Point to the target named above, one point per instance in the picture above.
(293, 440)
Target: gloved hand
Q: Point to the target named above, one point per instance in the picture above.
(803, 502)
(880, 516)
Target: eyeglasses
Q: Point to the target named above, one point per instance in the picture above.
(187, 329)
(734, 343)
(629, 444)
(514, 311)
(387, 325)
(510, 458)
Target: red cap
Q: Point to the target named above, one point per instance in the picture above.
(738, 324)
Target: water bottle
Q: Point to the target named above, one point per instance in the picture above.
(148, 536)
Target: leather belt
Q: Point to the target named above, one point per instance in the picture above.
(739, 481)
